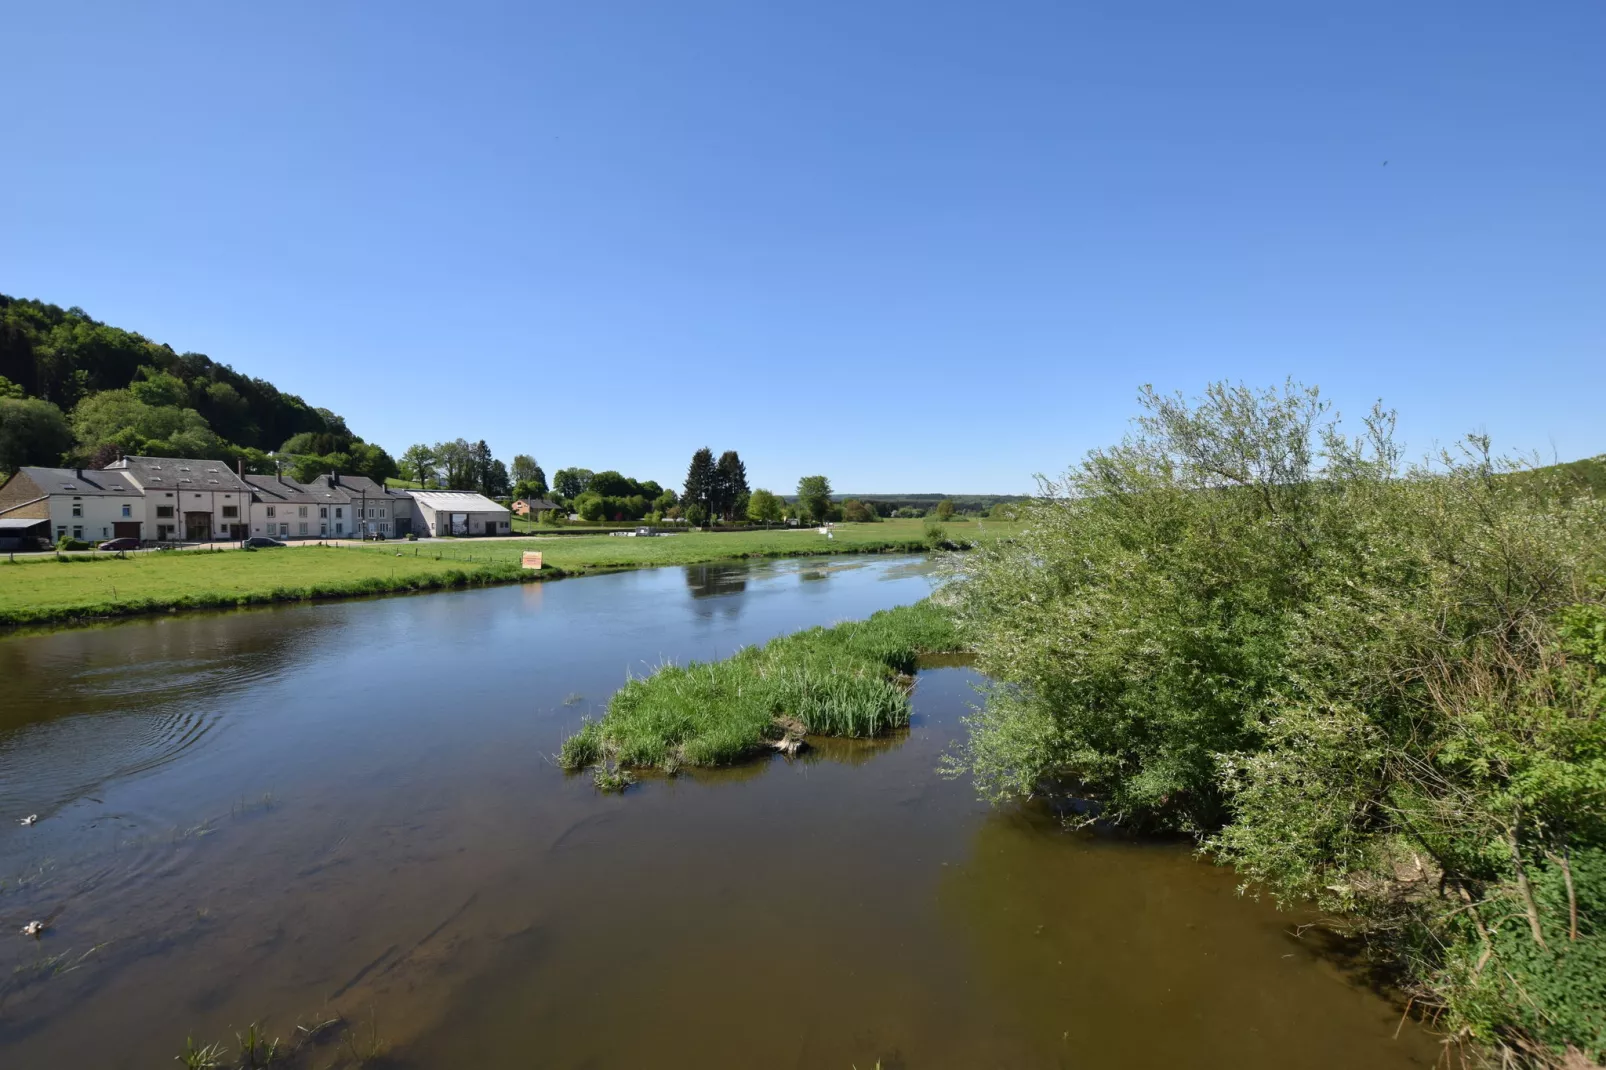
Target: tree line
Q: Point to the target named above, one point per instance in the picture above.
(77, 391)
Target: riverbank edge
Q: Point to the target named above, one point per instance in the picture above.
(455, 579)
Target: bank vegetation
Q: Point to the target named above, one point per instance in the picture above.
(1371, 684)
(850, 680)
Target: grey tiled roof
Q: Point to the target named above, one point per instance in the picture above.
(178, 473)
(80, 481)
(284, 490)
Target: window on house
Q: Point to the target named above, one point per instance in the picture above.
(230, 511)
(61, 530)
(323, 511)
(270, 511)
(340, 529)
(370, 512)
(77, 509)
(284, 529)
(77, 531)
(164, 512)
(323, 529)
(301, 510)
(104, 533)
(303, 530)
(128, 510)
(339, 512)
(381, 512)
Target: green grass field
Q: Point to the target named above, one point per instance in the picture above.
(581, 553)
(44, 589)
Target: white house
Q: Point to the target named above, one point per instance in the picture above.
(188, 499)
(458, 512)
(79, 503)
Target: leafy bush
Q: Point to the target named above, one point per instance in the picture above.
(1366, 683)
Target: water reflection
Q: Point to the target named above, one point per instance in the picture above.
(716, 581)
(354, 807)
(1092, 941)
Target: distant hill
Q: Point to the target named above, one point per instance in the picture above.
(75, 390)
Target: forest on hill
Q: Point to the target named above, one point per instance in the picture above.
(77, 391)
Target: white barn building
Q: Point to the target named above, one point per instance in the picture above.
(458, 512)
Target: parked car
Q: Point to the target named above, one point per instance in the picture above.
(262, 542)
(119, 544)
(376, 536)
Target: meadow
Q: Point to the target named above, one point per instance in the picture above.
(43, 589)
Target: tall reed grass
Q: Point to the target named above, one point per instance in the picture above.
(848, 680)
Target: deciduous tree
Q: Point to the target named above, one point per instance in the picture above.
(814, 497)
(763, 507)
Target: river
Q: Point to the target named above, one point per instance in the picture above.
(349, 809)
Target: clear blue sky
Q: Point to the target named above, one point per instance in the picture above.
(913, 246)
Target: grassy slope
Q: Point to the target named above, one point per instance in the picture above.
(841, 681)
(42, 589)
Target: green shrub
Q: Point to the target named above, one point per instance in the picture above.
(1370, 684)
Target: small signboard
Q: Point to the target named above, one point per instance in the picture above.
(532, 559)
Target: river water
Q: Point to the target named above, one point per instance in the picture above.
(349, 809)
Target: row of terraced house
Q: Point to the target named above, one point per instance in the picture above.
(174, 499)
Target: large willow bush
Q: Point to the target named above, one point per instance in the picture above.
(1371, 684)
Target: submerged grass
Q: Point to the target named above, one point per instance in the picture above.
(848, 680)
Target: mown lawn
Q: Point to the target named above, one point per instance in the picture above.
(578, 553)
(45, 589)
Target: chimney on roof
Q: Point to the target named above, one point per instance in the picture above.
(78, 472)
(239, 467)
(334, 479)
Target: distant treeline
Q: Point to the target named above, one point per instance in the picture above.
(889, 504)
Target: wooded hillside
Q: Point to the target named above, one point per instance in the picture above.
(74, 390)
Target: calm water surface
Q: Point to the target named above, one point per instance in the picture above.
(350, 808)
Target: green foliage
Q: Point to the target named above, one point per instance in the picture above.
(700, 479)
(1366, 683)
(842, 681)
(855, 511)
(418, 464)
(570, 483)
(729, 493)
(814, 497)
(945, 509)
(763, 507)
(32, 432)
(64, 357)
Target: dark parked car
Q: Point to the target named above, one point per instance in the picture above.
(262, 542)
(376, 536)
(119, 544)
